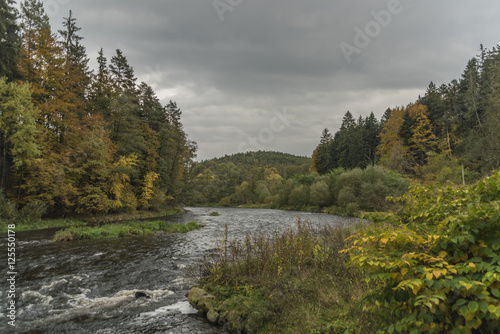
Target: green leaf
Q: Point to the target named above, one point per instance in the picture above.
(495, 293)
(483, 306)
(473, 306)
(460, 302)
(464, 310)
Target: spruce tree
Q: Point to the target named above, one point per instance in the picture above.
(9, 39)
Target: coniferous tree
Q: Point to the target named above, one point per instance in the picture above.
(322, 161)
(76, 60)
(9, 39)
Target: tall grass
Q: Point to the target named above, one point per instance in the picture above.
(121, 230)
(290, 281)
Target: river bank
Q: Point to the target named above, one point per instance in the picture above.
(290, 282)
(91, 221)
(89, 286)
(332, 210)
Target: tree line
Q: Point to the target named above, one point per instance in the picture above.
(451, 126)
(76, 139)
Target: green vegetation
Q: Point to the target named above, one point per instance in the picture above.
(214, 214)
(45, 224)
(451, 126)
(339, 191)
(430, 266)
(437, 260)
(30, 216)
(80, 141)
(292, 281)
(122, 230)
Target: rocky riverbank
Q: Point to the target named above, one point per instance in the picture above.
(225, 314)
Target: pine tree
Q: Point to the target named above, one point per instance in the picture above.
(321, 158)
(372, 140)
(76, 60)
(123, 74)
(345, 141)
(101, 91)
(151, 109)
(470, 92)
(9, 39)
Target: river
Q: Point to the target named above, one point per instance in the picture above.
(89, 286)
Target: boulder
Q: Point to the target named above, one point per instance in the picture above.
(140, 294)
(201, 300)
(213, 316)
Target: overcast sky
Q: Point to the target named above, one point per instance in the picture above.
(271, 75)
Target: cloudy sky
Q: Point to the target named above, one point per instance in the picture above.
(270, 75)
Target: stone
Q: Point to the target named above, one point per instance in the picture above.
(140, 294)
(213, 316)
(201, 300)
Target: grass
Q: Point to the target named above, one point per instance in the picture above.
(121, 230)
(43, 224)
(291, 281)
(214, 214)
(83, 221)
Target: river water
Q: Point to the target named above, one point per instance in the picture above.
(89, 286)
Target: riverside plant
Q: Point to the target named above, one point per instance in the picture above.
(437, 259)
(290, 281)
(122, 230)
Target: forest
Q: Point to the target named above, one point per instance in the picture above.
(75, 140)
(449, 134)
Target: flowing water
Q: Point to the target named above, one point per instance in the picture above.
(89, 286)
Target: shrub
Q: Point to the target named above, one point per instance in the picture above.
(7, 209)
(320, 194)
(295, 279)
(437, 259)
(32, 212)
(159, 201)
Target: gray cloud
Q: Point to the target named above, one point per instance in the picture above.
(230, 76)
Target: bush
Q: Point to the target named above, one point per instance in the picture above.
(32, 212)
(159, 201)
(437, 259)
(295, 280)
(320, 194)
(7, 209)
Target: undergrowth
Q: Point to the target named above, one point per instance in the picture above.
(291, 281)
(122, 230)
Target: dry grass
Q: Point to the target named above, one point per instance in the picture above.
(296, 278)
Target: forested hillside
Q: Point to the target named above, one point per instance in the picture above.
(451, 126)
(76, 139)
(217, 179)
(449, 134)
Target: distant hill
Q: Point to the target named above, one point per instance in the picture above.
(285, 163)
